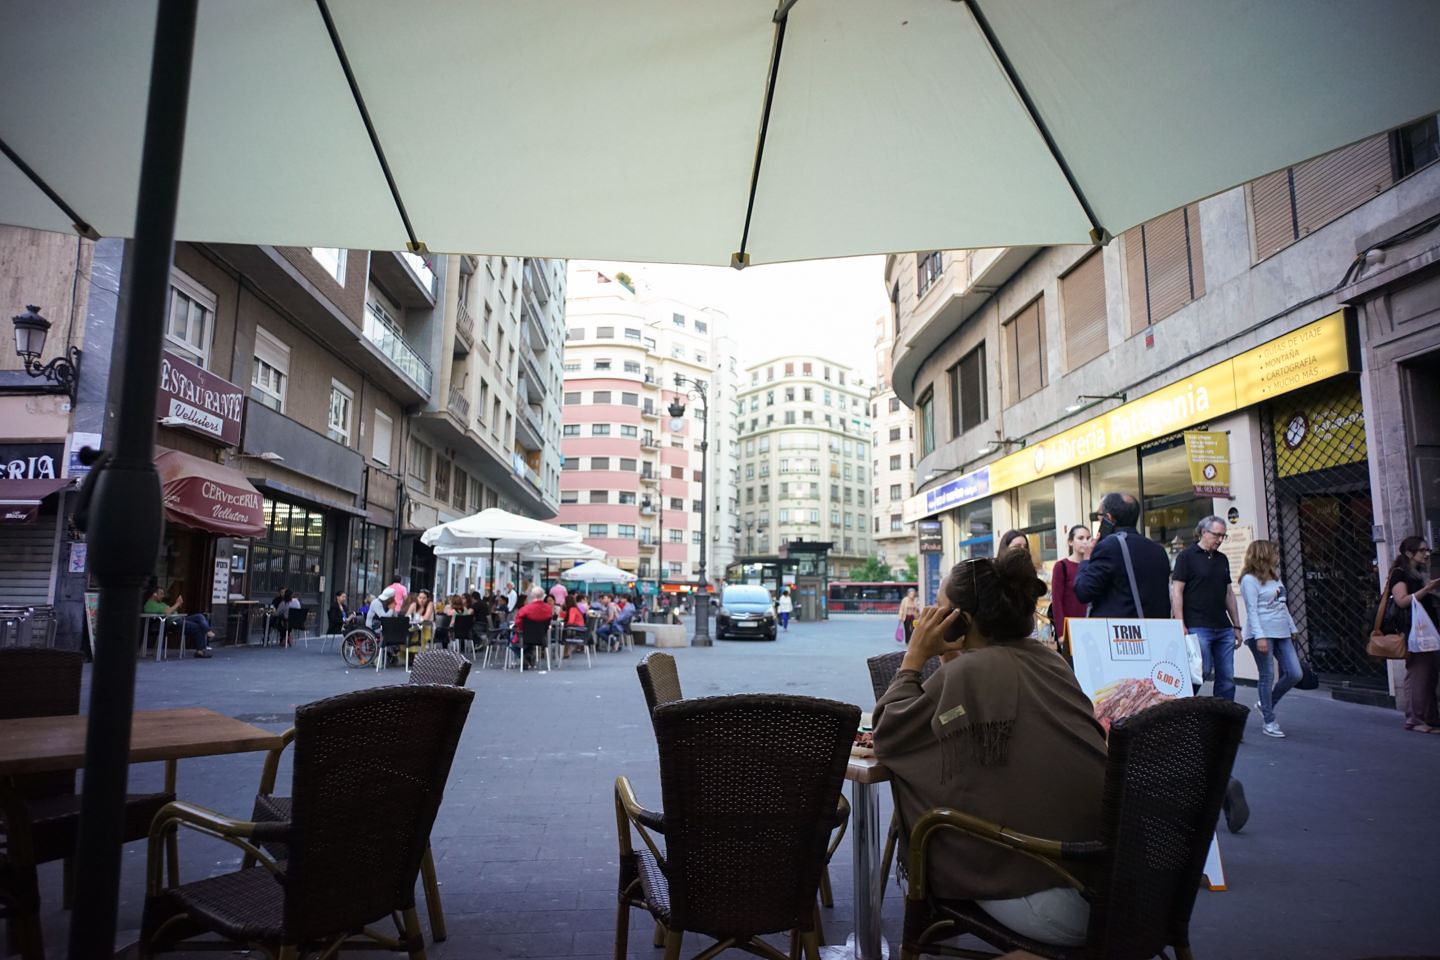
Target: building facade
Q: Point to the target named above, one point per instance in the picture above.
(635, 480)
(892, 433)
(805, 460)
(1267, 319)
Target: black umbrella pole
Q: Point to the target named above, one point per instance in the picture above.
(126, 514)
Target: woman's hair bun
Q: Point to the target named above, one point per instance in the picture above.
(1015, 571)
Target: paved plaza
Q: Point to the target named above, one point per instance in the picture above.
(1339, 859)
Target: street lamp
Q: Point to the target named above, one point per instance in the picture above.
(700, 391)
(31, 330)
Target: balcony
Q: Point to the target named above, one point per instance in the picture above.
(648, 410)
(407, 277)
(381, 332)
(529, 429)
(524, 471)
(648, 476)
(647, 442)
(530, 370)
(459, 404)
(536, 280)
(647, 544)
(464, 330)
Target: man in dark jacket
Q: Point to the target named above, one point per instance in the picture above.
(1102, 581)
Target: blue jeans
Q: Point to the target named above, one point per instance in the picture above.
(785, 619)
(197, 628)
(1271, 690)
(610, 633)
(1217, 651)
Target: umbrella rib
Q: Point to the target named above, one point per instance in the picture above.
(741, 259)
(415, 245)
(1098, 234)
(81, 225)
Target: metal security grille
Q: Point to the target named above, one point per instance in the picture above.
(1317, 491)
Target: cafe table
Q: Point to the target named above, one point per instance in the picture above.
(865, 839)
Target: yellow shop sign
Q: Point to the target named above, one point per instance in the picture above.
(1314, 352)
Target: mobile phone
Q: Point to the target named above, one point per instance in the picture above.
(956, 630)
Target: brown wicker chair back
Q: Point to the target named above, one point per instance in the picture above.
(384, 755)
(750, 785)
(884, 667)
(659, 680)
(1164, 785)
(440, 666)
(40, 682)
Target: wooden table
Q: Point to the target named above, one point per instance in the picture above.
(863, 773)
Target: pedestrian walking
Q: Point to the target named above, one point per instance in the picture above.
(786, 606)
(1114, 574)
(909, 610)
(1201, 599)
(1409, 580)
(1269, 629)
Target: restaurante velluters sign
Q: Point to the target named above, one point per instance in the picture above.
(199, 400)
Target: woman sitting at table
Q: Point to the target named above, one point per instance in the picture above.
(421, 612)
(196, 626)
(338, 613)
(1000, 731)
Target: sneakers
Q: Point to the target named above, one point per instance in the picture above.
(202, 654)
(1272, 729)
(1237, 811)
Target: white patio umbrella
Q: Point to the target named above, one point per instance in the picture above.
(498, 530)
(594, 571)
(882, 127)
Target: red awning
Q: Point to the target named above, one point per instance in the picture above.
(20, 499)
(199, 493)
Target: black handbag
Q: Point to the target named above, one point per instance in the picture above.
(1308, 680)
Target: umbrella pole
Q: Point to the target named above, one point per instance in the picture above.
(126, 517)
(493, 587)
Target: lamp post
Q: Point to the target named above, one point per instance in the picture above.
(31, 330)
(700, 391)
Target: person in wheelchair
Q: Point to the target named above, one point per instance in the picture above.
(1001, 731)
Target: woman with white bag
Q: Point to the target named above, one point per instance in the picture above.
(1409, 581)
(1269, 629)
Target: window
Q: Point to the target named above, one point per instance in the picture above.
(1082, 302)
(841, 375)
(1291, 203)
(630, 399)
(627, 464)
(769, 374)
(790, 417)
(749, 494)
(333, 260)
(677, 473)
(678, 352)
(1025, 349)
(967, 392)
(625, 531)
(895, 491)
(272, 370)
(572, 367)
(1163, 266)
(769, 398)
(599, 496)
(575, 333)
(604, 333)
(598, 530)
(599, 463)
(627, 497)
(632, 366)
(678, 319)
(697, 506)
(895, 462)
(894, 404)
(599, 429)
(829, 398)
(677, 503)
(342, 402)
(675, 536)
(764, 493)
(629, 430)
(442, 479)
(569, 496)
(600, 396)
(1416, 145)
(784, 489)
(570, 526)
(926, 410)
(894, 434)
(381, 438)
(895, 522)
(701, 326)
(570, 430)
(190, 325)
(632, 334)
(601, 365)
(419, 468)
(572, 397)
(570, 463)
(699, 356)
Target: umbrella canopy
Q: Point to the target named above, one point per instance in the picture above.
(562, 551)
(496, 530)
(594, 571)
(936, 125)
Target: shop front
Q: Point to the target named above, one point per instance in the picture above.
(32, 539)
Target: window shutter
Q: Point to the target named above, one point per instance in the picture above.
(1135, 280)
(1271, 214)
(1012, 352)
(1167, 265)
(1340, 181)
(1030, 348)
(1082, 292)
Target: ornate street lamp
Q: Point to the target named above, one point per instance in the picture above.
(31, 329)
(699, 390)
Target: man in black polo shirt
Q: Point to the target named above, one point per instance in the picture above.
(1201, 599)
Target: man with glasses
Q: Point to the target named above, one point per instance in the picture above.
(1201, 599)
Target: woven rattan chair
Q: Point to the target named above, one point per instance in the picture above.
(749, 785)
(1164, 783)
(382, 755)
(440, 666)
(40, 813)
(660, 682)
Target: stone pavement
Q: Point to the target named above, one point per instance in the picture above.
(1339, 859)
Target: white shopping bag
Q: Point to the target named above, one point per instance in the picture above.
(1197, 662)
(1423, 635)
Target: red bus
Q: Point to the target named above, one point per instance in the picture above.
(848, 596)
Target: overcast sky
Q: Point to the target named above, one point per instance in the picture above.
(818, 307)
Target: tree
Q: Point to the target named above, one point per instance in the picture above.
(872, 571)
(624, 278)
(912, 563)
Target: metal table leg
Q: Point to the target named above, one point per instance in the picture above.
(866, 943)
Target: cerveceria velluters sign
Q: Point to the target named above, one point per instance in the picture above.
(1314, 352)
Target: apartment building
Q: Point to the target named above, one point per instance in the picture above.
(805, 461)
(634, 478)
(892, 439)
(1290, 325)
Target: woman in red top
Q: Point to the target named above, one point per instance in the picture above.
(1063, 603)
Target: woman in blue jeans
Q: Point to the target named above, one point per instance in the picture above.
(1269, 629)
